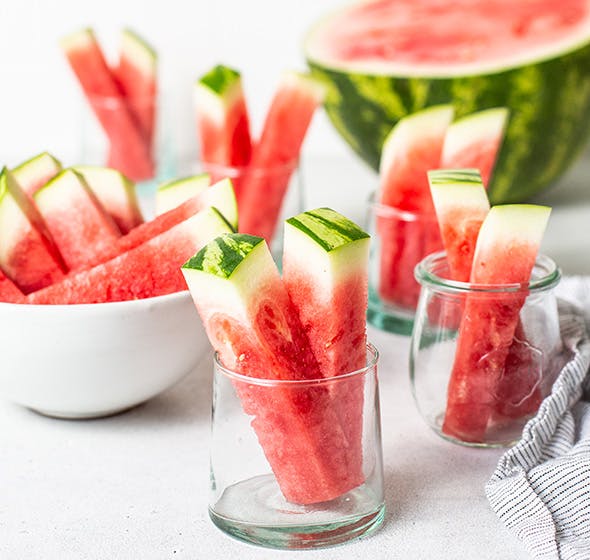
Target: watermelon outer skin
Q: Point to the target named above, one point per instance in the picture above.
(549, 103)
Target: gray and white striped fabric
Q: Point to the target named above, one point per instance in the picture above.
(541, 486)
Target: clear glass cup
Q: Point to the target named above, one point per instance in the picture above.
(266, 196)
(483, 357)
(297, 464)
(400, 240)
(130, 136)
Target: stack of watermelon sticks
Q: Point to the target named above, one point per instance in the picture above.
(77, 235)
(122, 96)
(495, 380)
(260, 170)
(308, 324)
(404, 215)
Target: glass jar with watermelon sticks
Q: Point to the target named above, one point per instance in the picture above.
(484, 356)
(296, 463)
(401, 239)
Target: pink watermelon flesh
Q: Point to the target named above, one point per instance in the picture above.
(129, 148)
(405, 241)
(148, 270)
(76, 220)
(29, 256)
(478, 155)
(486, 335)
(139, 87)
(337, 333)
(8, 290)
(497, 30)
(115, 193)
(275, 156)
(298, 428)
(148, 230)
(403, 244)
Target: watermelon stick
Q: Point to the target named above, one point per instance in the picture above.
(505, 253)
(275, 156)
(115, 192)
(408, 232)
(32, 174)
(148, 270)
(461, 206)
(129, 149)
(28, 254)
(474, 141)
(256, 331)
(222, 118)
(325, 261)
(78, 223)
(173, 193)
(137, 74)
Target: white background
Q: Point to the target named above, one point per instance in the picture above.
(40, 101)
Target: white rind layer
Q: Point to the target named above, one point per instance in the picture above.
(139, 53)
(415, 128)
(512, 224)
(449, 195)
(173, 193)
(482, 125)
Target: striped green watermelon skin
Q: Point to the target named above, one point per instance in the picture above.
(549, 104)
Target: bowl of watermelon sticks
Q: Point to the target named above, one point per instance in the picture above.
(98, 311)
(486, 344)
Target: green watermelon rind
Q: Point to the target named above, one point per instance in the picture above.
(329, 241)
(539, 145)
(43, 164)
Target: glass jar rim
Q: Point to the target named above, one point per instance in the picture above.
(300, 383)
(386, 211)
(424, 274)
(233, 171)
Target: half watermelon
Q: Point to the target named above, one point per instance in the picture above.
(385, 59)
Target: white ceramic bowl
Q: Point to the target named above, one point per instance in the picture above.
(84, 361)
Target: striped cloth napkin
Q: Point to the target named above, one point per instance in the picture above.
(541, 486)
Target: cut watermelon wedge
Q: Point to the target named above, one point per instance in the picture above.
(137, 74)
(78, 223)
(461, 206)
(506, 249)
(130, 152)
(275, 156)
(115, 192)
(9, 291)
(28, 254)
(256, 331)
(325, 261)
(413, 147)
(32, 174)
(173, 193)
(151, 269)
(220, 195)
(405, 218)
(222, 118)
(474, 142)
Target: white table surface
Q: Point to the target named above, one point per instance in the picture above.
(134, 486)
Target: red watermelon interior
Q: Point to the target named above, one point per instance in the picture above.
(386, 34)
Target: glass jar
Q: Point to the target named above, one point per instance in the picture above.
(483, 357)
(296, 463)
(400, 240)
